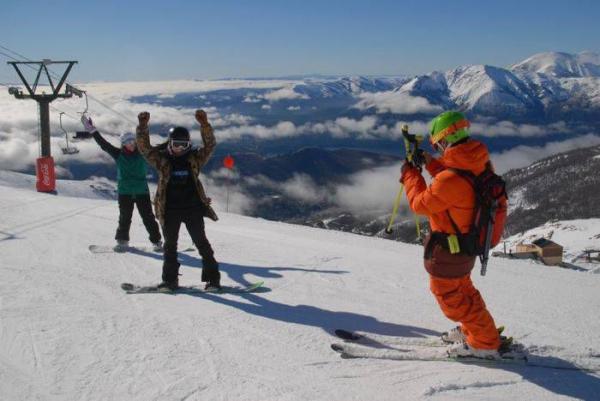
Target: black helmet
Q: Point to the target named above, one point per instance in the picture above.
(179, 134)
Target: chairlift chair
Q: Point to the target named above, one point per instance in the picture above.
(67, 150)
(78, 92)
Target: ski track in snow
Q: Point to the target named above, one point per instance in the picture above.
(68, 332)
(461, 387)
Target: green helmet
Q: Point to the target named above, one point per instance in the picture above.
(450, 125)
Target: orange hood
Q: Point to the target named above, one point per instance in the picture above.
(471, 155)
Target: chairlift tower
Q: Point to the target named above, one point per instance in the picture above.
(45, 164)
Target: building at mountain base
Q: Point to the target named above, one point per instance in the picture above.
(549, 252)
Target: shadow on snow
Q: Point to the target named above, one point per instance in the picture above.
(563, 381)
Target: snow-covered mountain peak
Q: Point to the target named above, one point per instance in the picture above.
(562, 65)
(589, 57)
(430, 82)
(483, 87)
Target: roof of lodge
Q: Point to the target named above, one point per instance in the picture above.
(543, 242)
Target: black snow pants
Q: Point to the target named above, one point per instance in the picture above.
(194, 222)
(144, 207)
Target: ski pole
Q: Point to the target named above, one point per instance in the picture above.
(418, 224)
(228, 184)
(398, 199)
(415, 140)
(488, 239)
(389, 230)
(408, 139)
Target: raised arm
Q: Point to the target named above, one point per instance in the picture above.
(106, 146)
(208, 139)
(151, 154)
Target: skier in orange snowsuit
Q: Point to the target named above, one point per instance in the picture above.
(452, 196)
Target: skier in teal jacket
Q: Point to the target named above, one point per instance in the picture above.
(132, 186)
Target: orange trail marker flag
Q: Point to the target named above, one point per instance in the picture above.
(228, 163)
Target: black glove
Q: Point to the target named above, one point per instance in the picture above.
(418, 159)
(406, 167)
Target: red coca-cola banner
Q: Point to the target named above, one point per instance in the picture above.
(46, 178)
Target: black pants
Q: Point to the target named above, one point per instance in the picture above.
(144, 207)
(194, 222)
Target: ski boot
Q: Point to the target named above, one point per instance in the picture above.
(464, 350)
(213, 285)
(212, 277)
(168, 286)
(454, 335)
(157, 246)
(121, 246)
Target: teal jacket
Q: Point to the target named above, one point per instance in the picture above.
(131, 168)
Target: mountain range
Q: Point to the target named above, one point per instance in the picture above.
(565, 186)
(544, 88)
(559, 93)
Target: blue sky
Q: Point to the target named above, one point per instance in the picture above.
(150, 40)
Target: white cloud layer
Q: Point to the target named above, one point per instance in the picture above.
(162, 88)
(374, 190)
(508, 128)
(371, 191)
(522, 156)
(396, 102)
(286, 93)
(300, 187)
(19, 145)
(228, 197)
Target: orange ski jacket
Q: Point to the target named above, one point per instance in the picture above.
(448, 191)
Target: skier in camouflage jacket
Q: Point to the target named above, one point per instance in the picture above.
(180, 196)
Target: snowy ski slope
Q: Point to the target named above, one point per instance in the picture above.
(68, 332)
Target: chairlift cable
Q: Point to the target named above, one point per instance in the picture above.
(56, 76)
(70, 115)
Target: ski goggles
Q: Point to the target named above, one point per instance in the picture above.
(128, 142)
(438, 147)
(435, 138)
(179, 144)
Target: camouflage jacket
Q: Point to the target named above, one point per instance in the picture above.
(158, 159)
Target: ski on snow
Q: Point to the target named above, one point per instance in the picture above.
(192, 289)
(131, 249)
(388, 341)
(373, 346)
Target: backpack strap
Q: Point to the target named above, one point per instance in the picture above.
(466, 174)
(470, 177)
(454, 225)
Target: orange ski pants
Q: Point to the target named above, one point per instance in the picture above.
(461, 302)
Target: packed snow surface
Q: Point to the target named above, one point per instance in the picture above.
(68, 332)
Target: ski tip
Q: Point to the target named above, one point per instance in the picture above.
(127, 286)
(252, 287)
(346, 335)
(337, 347)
